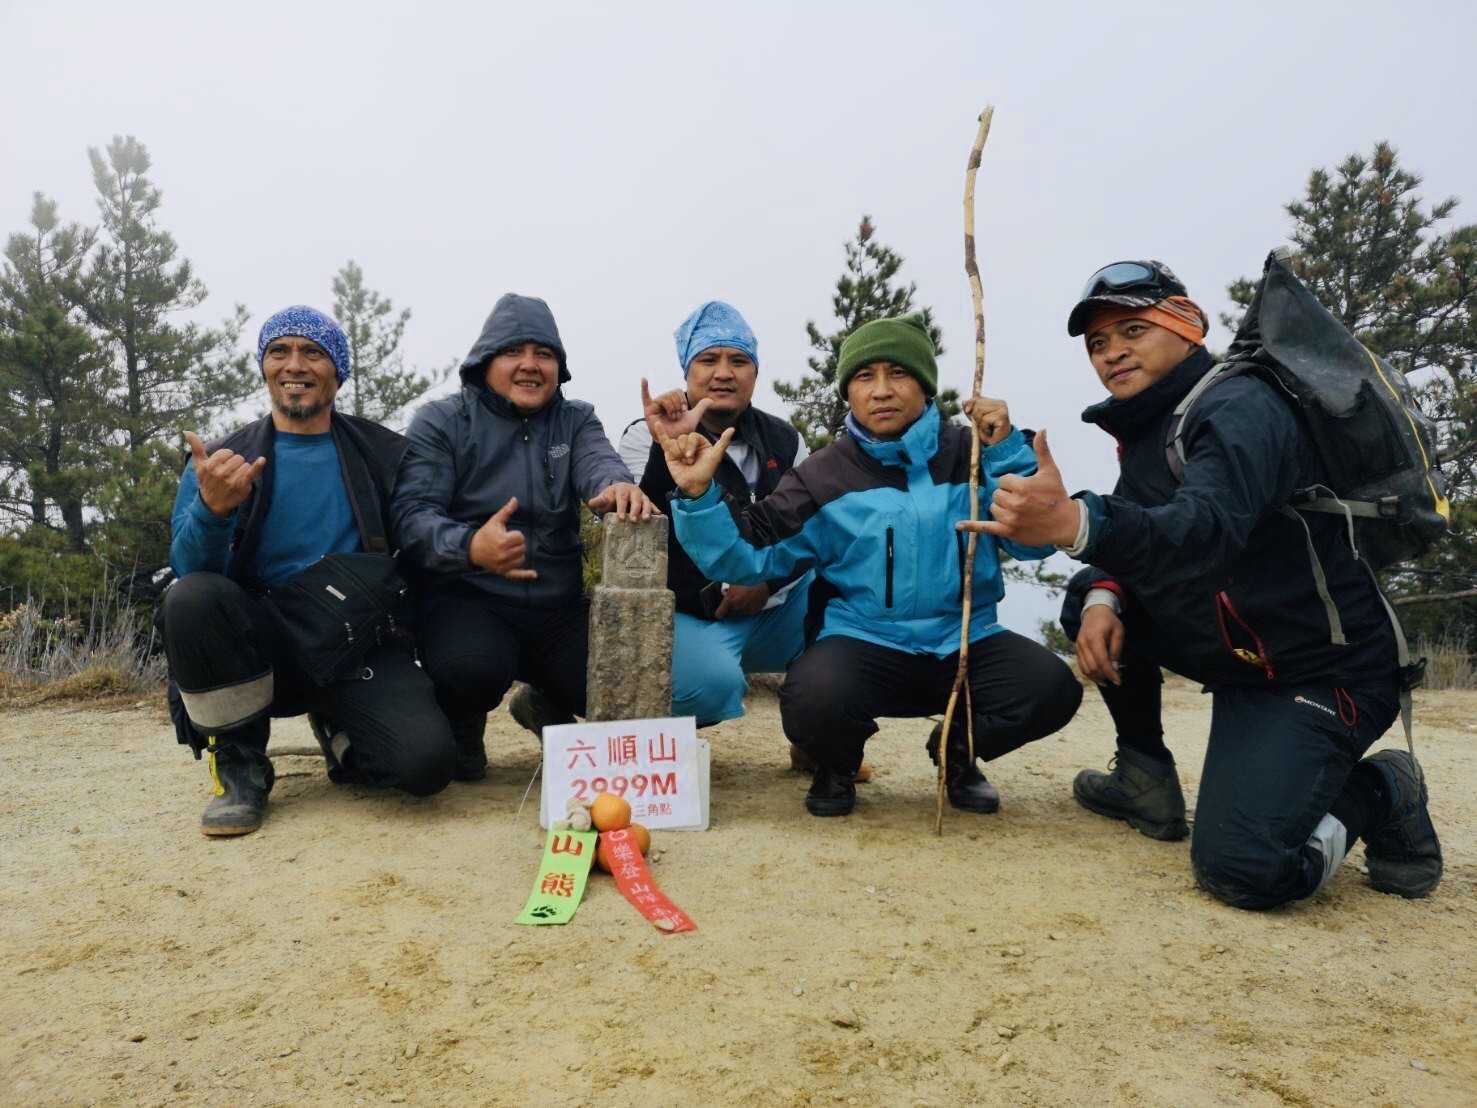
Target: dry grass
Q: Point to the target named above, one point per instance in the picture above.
(1448, 665)
(108, 654)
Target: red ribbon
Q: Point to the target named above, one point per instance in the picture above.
(633, 878)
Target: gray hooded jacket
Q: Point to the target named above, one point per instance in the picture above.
(470, 452)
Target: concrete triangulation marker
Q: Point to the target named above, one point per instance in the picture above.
(630, 660)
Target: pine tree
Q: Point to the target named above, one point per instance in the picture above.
(53, 379)
(170, 376)
(381, 388)
(173, 376)
(1404, 280)
(863, 293)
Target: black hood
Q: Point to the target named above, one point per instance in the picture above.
(515, 319)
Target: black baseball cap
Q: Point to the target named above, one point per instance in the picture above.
(1129, 284)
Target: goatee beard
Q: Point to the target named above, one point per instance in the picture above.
(299, 412)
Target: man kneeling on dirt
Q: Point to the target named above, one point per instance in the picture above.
(1203, 573)
(253, 511)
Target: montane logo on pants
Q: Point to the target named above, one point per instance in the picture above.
(1314, 704)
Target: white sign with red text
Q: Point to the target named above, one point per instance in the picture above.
(659, 765)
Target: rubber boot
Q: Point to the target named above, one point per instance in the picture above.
(1141, 790)
(243, 776)
(471, 752)
(1403, 854)
(967, 788)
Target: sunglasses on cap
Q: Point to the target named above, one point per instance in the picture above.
(1120, 277)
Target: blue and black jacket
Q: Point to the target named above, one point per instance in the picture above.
(875, 519)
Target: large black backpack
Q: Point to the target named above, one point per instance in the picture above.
(1378, 449)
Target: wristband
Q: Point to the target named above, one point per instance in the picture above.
(1104, 598)
(1079, 544)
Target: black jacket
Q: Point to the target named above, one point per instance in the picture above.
(1217, 580)
(775, 442)
(369, 456)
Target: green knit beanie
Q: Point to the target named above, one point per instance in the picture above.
(902, 340)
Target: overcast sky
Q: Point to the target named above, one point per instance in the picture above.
(626, 162)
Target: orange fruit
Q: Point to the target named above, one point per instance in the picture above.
(602, 851)
(610, 813)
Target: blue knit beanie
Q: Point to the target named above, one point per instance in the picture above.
(714, 324)
(304, 322)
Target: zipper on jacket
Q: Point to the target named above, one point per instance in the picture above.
(529, 532)
(889, 567)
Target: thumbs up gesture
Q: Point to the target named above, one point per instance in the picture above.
(497, 549)
(692, 460)
(224, 477)
(1035, 510)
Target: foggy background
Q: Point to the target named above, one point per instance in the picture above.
(628, 163)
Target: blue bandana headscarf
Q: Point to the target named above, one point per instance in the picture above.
(304, 322)
(714, 324)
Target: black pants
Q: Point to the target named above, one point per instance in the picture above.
(474, 646)
(234, 674)
(834, 692)
(1278, 760)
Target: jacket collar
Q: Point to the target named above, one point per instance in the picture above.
(501, 406)
(1125, 418)
(914, 447)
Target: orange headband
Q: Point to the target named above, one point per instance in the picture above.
(1179, 314)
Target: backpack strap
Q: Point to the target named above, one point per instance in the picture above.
(1411, 673)
(1175, 455)
(1174, 445)
(1320, 581)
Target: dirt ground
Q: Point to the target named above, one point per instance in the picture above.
(361, 948)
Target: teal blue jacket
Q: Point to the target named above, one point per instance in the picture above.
(875, 520)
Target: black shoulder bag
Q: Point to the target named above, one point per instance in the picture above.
(335, 610)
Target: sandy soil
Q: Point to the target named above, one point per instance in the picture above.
(361, 949)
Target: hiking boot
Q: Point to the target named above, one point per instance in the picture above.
(832, 793)
(1403, 854)
(334, 742)
(243, 777)
(1141, 790)
(968, 789)
(802, 762)
(471, 753)
(534, 711)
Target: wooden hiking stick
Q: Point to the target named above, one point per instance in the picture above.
(961, 676)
